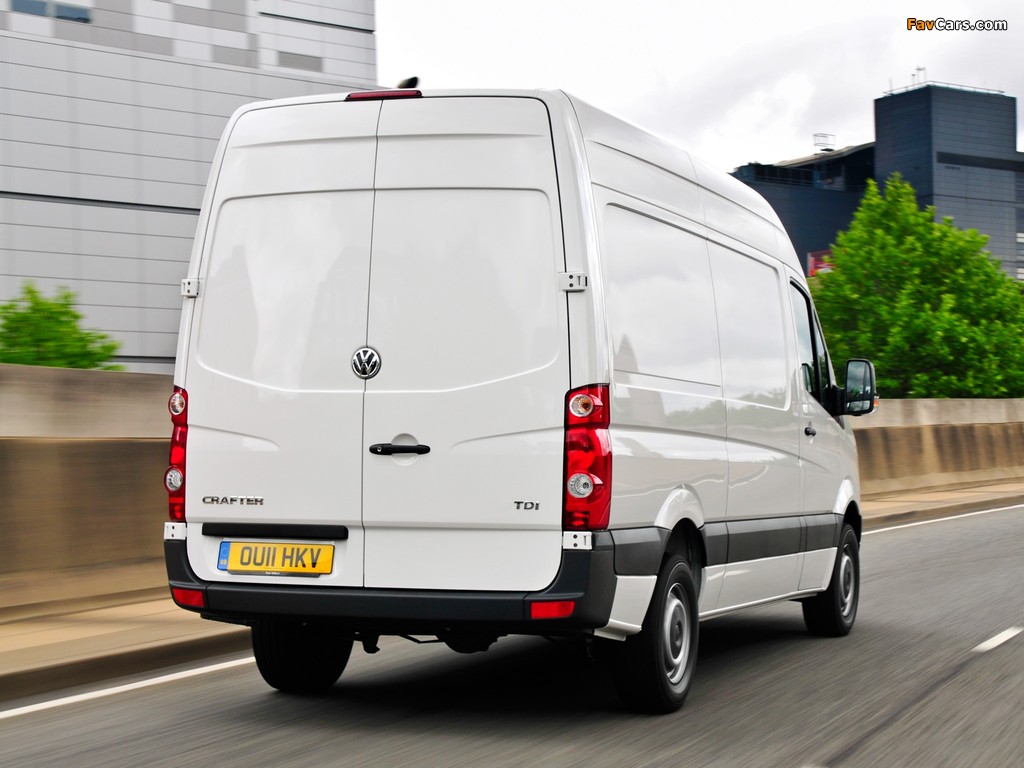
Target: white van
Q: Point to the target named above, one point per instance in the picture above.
(466, 364)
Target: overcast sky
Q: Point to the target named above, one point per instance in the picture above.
(732, 82)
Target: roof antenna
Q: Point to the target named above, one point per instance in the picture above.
(409, 82)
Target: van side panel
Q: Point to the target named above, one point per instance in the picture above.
(668, 428)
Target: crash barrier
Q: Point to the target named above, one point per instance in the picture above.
(82, 456)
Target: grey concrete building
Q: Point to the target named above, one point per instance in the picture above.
(955, 145)
(110, 111)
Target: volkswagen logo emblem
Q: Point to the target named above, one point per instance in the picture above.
(366, 362)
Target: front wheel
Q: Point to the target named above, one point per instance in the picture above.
(653, 669)
(831, 613)
(296, 658)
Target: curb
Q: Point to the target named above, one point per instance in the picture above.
(120, 663)
(924, 513)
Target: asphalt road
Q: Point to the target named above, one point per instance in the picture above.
(906, 688)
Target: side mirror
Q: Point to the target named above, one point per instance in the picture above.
(859, 394)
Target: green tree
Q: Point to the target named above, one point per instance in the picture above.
(35, 330)
(922, 299)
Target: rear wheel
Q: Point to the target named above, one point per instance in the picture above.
(295, 658)
(653, 669)
(831, 613)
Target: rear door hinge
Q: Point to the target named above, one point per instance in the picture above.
(190, 287)
(573, 282)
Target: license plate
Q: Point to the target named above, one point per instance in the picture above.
(275, 559)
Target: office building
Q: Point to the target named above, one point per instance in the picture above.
(110, 112)
(955, 145)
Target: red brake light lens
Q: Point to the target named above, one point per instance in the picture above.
(392, 93)
(555, 609)
(189, 598)
(588, 460)
(174, 477)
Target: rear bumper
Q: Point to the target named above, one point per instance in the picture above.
(586, 577)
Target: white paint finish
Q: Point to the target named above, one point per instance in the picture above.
(300, 150)
(175, 531)
(454, 559)
(661, 303)
(756, 581)
(466, 314)
(817, 568)
(615, 168)
(729, 218)
(994, 642)
(284, 269)
(762, 428)
(632, 596)
(713, 577)
(261, 388)
(667, 474)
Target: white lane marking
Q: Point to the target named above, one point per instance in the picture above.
(104, 692)
(995, 642)
(942, 519)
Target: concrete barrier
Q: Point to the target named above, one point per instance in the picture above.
(82, 504)
(82, 455)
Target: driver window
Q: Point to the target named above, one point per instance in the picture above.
(813, 359)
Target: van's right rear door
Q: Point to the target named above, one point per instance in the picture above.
(471, 326)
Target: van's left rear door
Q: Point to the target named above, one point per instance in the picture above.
(275, 411)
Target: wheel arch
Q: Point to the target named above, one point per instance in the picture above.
(683, 515)
(853, 517)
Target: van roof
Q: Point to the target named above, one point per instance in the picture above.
(597, 125)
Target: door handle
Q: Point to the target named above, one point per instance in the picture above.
(810, 431)
(387, 449)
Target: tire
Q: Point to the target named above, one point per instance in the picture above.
(653, 669)
(831, 613)
(299, 659)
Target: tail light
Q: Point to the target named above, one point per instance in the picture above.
(587, 482)
(174, 477)
(391, 93)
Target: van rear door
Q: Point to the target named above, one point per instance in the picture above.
(466, 314)
(275, 412)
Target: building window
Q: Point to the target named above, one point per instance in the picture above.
(71, 13)
(35, 7)
(61, 11)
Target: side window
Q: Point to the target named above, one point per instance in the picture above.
(825, 374)
(816, 371)
(661, 304)
(752, 328)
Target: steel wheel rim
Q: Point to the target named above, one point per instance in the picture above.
(847, 582)
(675, 636)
